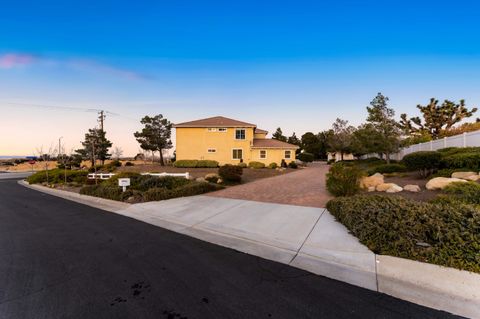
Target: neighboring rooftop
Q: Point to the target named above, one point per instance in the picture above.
(271, 143)
(260, 131)
(217, 121)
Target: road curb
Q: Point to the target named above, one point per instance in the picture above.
(101, 203)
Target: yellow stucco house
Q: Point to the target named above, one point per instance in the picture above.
(229, 141)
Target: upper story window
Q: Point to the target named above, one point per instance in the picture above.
(222, 129)
(240, 134)
(288, 154)
(211, 150)
(212, 129)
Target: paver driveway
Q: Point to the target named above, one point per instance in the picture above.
(306, 187)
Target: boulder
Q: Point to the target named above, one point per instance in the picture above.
(464, 175)
(372, 181)
(412, 188)
(442, 182)
(383, 187)
(212, 177)
(473, 178)
(394, 189)
(371, 189)
(219, 181)
(200, 179)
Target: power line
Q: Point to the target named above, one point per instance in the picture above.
(57, 107)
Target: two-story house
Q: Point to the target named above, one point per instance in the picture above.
(229, 141)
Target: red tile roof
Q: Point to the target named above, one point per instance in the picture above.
(271, 143)
(217, 121)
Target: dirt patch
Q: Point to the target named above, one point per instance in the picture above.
(413, 179)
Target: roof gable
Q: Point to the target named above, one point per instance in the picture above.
(217, 121)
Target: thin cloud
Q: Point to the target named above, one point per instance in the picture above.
(12, 60)
(15, 60)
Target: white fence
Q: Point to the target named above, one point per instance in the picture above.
(108, 175)
(462, 140)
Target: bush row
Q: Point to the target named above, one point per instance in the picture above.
(196, 163)
(442, 234)
(57, 176)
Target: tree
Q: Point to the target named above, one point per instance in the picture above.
(295, 141)
(155, 136)
(365, 140)
(278, 135)
(95, 146)
(341, 137)
(381, 117)
(117, 152)
(314, 144)
(46, 157)
(436, 118)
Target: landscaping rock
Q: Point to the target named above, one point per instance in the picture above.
(441, 182)
(389, 187)
(212, 177)
(219, 181)
(412, 188)
(200, 179)
(371, 189)
(464, 175)
(394, 189)
(372, 181)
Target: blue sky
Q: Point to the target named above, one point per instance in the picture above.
(297, 64)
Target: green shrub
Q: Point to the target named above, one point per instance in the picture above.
(458, 150)
(102, 190)
(57, 176)
(462, 160)
(135, 179)
(426, 162)
(292, 165)
(283, 164)
(242, 165)
(206, 164)
(230, 173)
(186, 163)
(212, 178)
(442, 234)
(129, 164)
(191, 189)
(305, 157)
(468, 193)
(343, 180)
(256, 165)
(272, 165)
(387, 168)
(168, 182)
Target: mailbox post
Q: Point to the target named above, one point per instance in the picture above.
(124, 182)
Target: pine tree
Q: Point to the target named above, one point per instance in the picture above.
(155, 136)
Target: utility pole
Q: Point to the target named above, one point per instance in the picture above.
(101, 118)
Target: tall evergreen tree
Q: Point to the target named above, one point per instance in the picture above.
(95, 146)
(278, 135)
(381, 117)
(155, 135)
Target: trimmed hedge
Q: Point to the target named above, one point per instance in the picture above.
(185, 163)
(57, 176)
(442, 234)
(447, 172)
(426, 162)
(462, 160)
(467, 193)
(230, 173)
(272, 165)
(292, 165)
(195, 164)
(343, 180)
(242, 165)
(387, 168)
(256, 165)
(305, 157)
(191, 189)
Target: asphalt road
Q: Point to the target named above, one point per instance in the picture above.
(60, 259)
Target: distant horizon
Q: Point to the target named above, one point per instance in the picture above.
(297, 66)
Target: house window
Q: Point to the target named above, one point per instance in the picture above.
(288, 154)
(212, 129)
(240, 134)
(211, 150)
(222, 129)
(263, 154)
(237, 153)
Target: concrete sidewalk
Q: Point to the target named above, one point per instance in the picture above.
(305, 237)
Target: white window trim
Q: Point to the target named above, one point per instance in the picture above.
(237, 159)
(235, 134)
(214, 150)
(211, 129)
(260, 154)
(285, 154)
